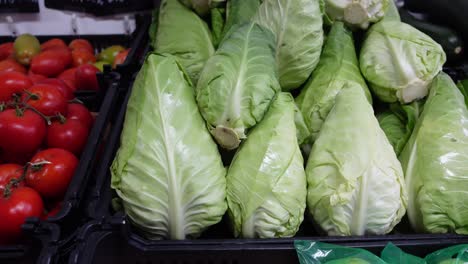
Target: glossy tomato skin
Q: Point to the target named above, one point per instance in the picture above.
(120, 58)
(11, 65)
(53, 44)
(24, 202)
(81, 44)
(21, 134)
(49, 100)
(8, 172)
(6, 50)
(86, 78)
(36, 78)
(52, 180)
(69, 77)
(13, 83)
(61, 86)
(81, 113)
(82, 56)
(51, 62)
(70, 135)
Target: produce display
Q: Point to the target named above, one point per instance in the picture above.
(356, 160)
(43, 126)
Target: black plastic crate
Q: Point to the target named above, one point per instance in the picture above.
(67, 219)
(106, 243)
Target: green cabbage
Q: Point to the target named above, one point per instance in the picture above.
(435, 162)
(168, 171)
(183, 34)
(297, 25)
(398, 123)
(202, 7)
(266, 184)
(239, 12)
(238, 83)
(355, 182)
(399, 61)
(356, 13)
(338, 67)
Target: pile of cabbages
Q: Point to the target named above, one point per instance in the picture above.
(222, 77)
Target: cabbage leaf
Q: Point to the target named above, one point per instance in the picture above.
(183, 34)
(338, 67)
(297, 25)
(266, 184)
(167, 171)
(238, 83)
(435, 162)
(355, 181)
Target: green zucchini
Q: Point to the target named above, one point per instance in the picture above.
(450, 41)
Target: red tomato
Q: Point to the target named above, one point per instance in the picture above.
(81, 113)
(51, 62)
(86, 78)
(69, 77)
(21, 133)
(52, 212)
(51, 180)
(53, 44)
(46, 99)
(13, 83)
(70, 135)
(23, 202)
(82, 56)
(61, 86)
(120, 58)
(11, 65)
(35, 78)
(81, 44)
(9, 172)
(6, 50)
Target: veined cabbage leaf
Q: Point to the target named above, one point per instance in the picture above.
(338, 67)
(435, 162)
(266, 184)
(297, 25)
(168, 171)
(399, 61)
(239, 12)
(356, 13)
(183, 34)
(398, 123)
(238, 83)
(202, 7)
(355, 181)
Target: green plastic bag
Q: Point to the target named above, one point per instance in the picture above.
(394, 255)
(312, 252)
(451, 255)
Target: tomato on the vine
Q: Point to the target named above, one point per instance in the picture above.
(82, 56)
(8, 172)
(68, 134)
(11, 65)
(68, 77)
(46, 99)
(21, 131)
(6, 50)
(80, 113)
(15, 207)
(53, 44)
(51, 172)
(61, 86)
(81, 44)
(13, 83)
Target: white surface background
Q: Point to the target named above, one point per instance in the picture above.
(56, 22)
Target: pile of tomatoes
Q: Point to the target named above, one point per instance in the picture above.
(43, 127)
